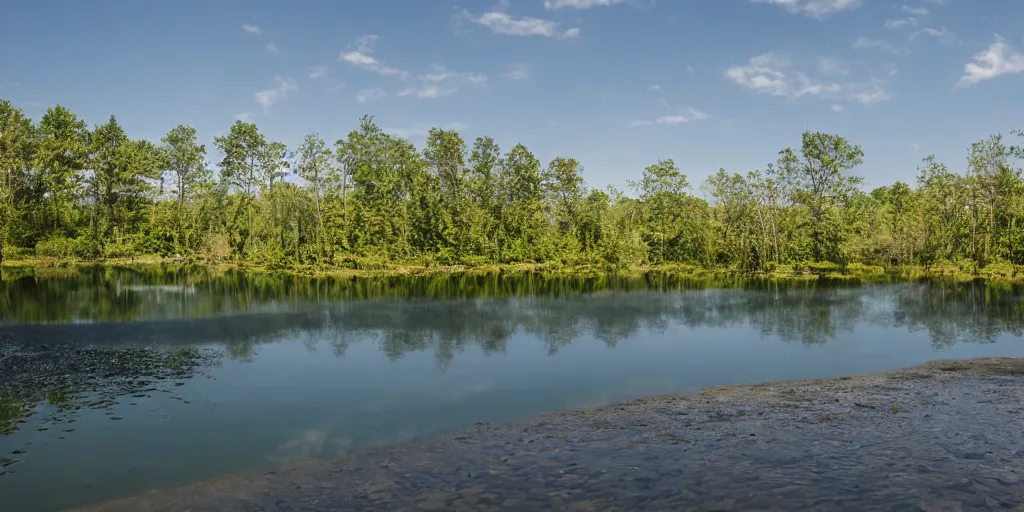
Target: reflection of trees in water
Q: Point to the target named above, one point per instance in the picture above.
(809, 315)
(961, 313)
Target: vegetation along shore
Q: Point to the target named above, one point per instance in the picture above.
(374, 202)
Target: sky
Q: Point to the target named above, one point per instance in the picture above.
(616, 84)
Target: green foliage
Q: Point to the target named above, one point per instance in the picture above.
(374, 201)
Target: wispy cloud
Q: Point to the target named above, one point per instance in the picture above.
(272, 48)
(439, 82)
(420, 130)
(942, 34)
(268, 97)
(252, 29)
(552, 5)
(836, 107)
(691, 115)
(775, 75)
(517, 72)
(882, 46)
(360, 56)
(819, 9)
(317, 72)
(502, 23)
(916, 11)
(428, 91)
(372, 94)
(1000, 58)
(654, 87)
(908, 22)
(245, 117)
(832, 66)
(370, 63)
(364, 44)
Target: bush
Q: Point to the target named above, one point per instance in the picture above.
(56, 247)
(14, 253)
(85, 247)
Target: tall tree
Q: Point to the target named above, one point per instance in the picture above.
(184, 160)
(123, 174)
(16, 148)
(315, 167)
(821, 186)
(243, 147)
(61, 158)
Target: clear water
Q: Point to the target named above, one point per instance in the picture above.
(296, 375)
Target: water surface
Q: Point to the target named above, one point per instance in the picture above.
(132, 383)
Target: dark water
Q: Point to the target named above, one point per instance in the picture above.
(115, 382)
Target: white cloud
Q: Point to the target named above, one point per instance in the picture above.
(552, 5)
(420, 130)
(372, 94)
(882, 46)
(502, 23)
(654, 87)
(252, 29)
(359, 56)
(439, 82)
(428, 91)
(819, 9)
(916, 11)
(245, 117)
(774, 74)
(317, 72)
(832, 66)
(909, 21)
(363, 60)
(572, 33)
(268, 97)
(836, 107)
(872, 95)
(692, 114)
(517, 72)
(944, 36)
(272, 48)
(364, 44)
(1000, 58)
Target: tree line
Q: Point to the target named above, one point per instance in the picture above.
(371, 199)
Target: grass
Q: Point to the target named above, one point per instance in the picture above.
(854, 273)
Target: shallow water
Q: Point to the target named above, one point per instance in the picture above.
(292, 370)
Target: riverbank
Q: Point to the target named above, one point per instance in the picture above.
(943, 436)
(855, 273)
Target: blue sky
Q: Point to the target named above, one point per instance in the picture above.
(617, 84)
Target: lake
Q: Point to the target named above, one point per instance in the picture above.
(119, 381)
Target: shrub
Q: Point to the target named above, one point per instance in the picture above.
(56, 247)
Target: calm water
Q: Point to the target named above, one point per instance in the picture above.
(289, 369)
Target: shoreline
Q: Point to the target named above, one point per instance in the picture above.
(945, 435)
(804, 272)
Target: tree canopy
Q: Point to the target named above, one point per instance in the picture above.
(372, 199)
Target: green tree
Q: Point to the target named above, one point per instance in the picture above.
(17, 145)
(240, 172)
(314, 165)
(60, 159)
(821, 186)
